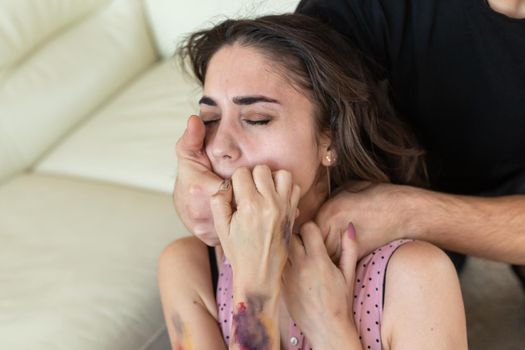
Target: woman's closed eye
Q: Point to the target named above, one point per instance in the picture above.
(247, 121)
(209, 122)
(257, 121)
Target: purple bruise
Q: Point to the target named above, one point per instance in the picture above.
(249, 332)
(287, 231)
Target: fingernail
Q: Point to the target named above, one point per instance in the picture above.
(351, 231)
(225, 185)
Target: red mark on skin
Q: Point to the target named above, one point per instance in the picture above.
(241, 306)
(249, 332)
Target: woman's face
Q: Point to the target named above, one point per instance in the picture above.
(253, 116)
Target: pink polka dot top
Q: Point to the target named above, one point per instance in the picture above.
(367, 306)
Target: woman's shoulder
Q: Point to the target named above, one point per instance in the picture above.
(419, 258)
(409, 257)
(422, 297)
(184, 265)
(185, 252)
(414, 265)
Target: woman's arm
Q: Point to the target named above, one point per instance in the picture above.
(187, 296)
(423, 306)
(254, 237)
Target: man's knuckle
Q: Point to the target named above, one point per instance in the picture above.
(197, 213)
(194, 189)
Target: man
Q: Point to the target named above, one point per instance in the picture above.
(457, 74)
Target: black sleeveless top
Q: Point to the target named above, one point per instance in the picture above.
(214, 269)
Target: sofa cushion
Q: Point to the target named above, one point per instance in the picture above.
(170, 21)
(64, 78)
(78, 263)
(131, 140)
(26, 24)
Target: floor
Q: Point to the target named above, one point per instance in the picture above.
(495, 306)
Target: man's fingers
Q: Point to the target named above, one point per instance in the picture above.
(191, 143)
(193, 138)
(200, 182)
(221, 209)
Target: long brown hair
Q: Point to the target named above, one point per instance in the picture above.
(370, 141)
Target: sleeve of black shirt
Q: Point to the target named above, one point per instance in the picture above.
(376, 27)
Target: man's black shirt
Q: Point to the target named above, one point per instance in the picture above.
(457, 73)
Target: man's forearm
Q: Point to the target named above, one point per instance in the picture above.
(492, 228)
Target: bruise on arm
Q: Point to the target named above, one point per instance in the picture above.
(250, 326)
(182, 334)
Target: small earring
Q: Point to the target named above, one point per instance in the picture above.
(328, 158)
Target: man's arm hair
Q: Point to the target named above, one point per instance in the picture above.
(489, 227)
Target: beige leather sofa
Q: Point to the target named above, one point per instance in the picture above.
(90, 109)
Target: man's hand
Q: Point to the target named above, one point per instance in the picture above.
(195, 183)
(379, 212)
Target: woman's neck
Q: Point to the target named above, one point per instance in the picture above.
(310, 204)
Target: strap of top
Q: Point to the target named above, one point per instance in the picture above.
(214, 269)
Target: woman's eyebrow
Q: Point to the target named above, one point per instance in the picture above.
(240, 100)
(249, 100)
(207, 101)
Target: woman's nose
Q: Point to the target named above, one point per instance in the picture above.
(223, 144)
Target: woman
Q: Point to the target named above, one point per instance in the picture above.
(292, 113)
